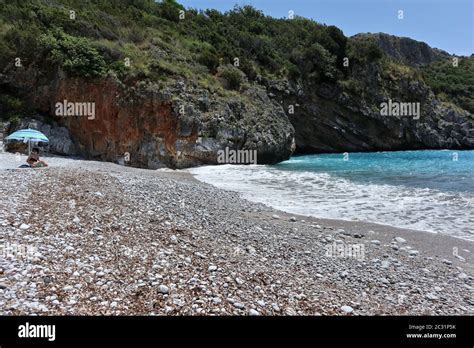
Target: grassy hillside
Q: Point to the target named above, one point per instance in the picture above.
(149, 33)
(220, 51)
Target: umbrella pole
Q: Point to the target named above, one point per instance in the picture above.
(29, 147)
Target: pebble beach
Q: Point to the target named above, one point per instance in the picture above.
(95, 238)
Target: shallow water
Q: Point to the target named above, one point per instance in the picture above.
(423, 190)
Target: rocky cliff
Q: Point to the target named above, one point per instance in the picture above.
(329, 118)
(144, 125)
(233, 80)
(405, 50)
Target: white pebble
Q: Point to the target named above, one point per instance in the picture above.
(347, 309)
(238, 305)
(400, 240)
(163, 289)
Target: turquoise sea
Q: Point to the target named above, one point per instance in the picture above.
(423, 190)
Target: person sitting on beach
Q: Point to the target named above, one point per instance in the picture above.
(33, 159)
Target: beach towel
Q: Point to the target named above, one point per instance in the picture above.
(39, 165)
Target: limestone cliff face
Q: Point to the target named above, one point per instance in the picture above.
(328, 119)
(183, 125)
(148, 131)
(179, 126)
(406, 50)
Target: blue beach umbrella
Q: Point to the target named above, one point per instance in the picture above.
(28, 135)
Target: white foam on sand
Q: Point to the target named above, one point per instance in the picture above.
(325, 196)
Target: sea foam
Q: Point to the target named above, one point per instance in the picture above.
(326, 195)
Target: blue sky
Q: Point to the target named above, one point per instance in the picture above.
(445, 24)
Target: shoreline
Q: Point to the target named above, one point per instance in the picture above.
(303, 190)
(441, 244)
(125, 241)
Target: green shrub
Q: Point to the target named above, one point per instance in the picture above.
(23, 43)
(11, 106)
(249, 69)
(233, 77)
(76, 55)
(315, 63)
(169, 9)
(364, 50)
(210, 60)
(293, 72)
(456, 83)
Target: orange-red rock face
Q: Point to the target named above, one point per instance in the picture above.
(121, 125)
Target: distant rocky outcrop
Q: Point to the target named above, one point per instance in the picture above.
(328, 119)
(405, 50)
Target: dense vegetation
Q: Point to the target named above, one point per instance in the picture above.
(162, 41)
(263, 44)
(452, 82)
